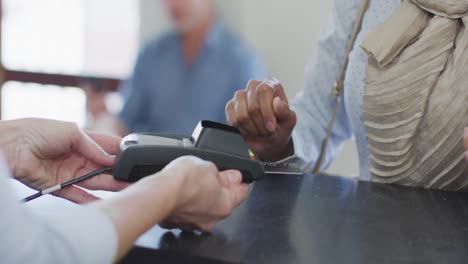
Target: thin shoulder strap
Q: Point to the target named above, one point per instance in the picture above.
(339, 85)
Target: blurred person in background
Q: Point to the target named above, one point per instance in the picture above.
(188, 74)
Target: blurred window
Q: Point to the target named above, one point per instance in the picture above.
(46, 101)
(48, 46)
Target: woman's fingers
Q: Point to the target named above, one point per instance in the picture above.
(265, 95)
(91, 150)
(254, 106)
(243, 116)
(235, 190)
(110, 144)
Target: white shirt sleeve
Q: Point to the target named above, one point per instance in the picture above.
(72, 235)
(314, 104)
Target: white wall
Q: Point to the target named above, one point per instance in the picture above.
(100, 34)
(284, 33)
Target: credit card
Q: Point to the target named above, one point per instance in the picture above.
(282, 168)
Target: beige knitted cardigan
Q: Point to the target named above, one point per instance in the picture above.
(416, 96)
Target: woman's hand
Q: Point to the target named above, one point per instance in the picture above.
(261, 112)
(189, 193)
(205, 195)
(43, 153)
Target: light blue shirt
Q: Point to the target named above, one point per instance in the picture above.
(314, 105)
(166, 95)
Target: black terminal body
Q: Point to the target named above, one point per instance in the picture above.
(145, 154)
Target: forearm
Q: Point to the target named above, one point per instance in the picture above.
(140, 207)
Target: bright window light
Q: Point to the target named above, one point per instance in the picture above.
(21, 100)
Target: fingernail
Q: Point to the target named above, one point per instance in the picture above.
(280, 102)
(466, 132)
(270, 125)
(233, 177)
